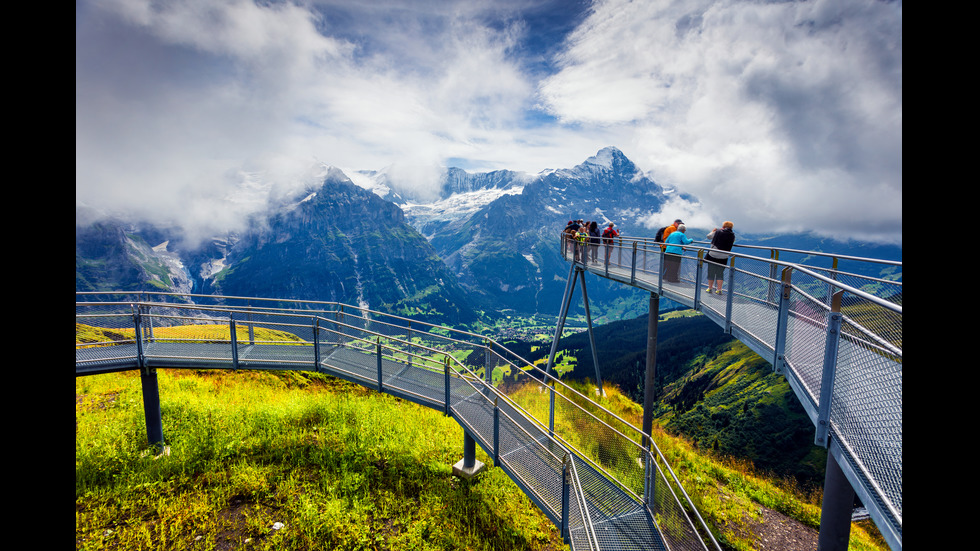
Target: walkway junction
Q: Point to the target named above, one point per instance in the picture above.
(836, 337)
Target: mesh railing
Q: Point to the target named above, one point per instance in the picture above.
(784, 311)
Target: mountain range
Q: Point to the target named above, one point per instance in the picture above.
(481, 245)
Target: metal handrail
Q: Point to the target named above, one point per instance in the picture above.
(803, 268)
(652, 241)
(650, 245)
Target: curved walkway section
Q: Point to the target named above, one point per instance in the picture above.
(835, 335)
(584, 467)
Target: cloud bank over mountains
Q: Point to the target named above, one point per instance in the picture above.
(779, 116)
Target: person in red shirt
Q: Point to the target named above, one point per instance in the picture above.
(608, 235)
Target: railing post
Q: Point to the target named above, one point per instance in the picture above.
(698, 279)
(829, 371)
(782, 321)
(138, 323)
(774, 256)
(316, 343)
(633, 266)
(251, 326)
(448, 412)
(487, 368)
(380, 384)
(730, 295)
(565, 487)
(496, 433)
(649, 480)
(551, 409)
(833, 276)
(339, 317)
(148, 323)
(607, 244)
(660, 272)
(234, 341)
(409, 343)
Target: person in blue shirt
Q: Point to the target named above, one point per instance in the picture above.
(674, 250)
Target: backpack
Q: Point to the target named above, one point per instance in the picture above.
(659, 238)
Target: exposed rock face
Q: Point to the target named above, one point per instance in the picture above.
(507, 253)
(113, 256)
(344, 244)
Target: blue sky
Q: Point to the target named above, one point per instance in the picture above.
(779, 116)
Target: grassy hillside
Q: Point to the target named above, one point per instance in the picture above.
(732, 403)
(340, 467)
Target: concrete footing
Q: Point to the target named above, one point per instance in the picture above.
(466, 473)
(468, 467)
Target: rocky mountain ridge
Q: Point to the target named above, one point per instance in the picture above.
(487, 243)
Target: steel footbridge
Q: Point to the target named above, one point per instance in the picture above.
(595, 475)
(823, 321)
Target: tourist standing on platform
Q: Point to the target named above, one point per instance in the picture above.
(568, 239)
(594, 240)
(721, 242)
(608, 235)
(672, 260)
(665, 232)
(582, 243)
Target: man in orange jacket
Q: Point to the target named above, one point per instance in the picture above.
(669, 230)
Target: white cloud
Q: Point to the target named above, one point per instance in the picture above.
(692, 213)
(775, 115)
(784, 115)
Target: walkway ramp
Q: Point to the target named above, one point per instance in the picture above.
(603, 489)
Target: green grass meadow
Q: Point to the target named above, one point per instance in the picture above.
(336, 465)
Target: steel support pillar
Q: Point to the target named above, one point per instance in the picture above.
(588, 320)
(565, 301)
(151, 408)
(469, 466)
(836, 510)
(574, 273)
(151, 389)
(649, 385)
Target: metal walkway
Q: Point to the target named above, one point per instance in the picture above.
(834, 334)
(584, 467)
